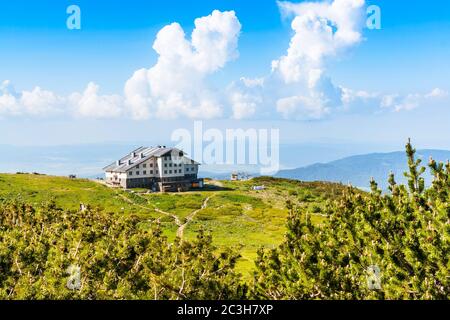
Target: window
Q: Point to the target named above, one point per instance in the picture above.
(145, 172)
(131, 173)
(179, 171)
(170, 171)
(165, 171)
(165, 165)
(137, 167)
(170, 165)
(137, 173)
(151, 165)
(151, 171)
(144, 165)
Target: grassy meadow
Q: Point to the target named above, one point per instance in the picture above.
(236, 215)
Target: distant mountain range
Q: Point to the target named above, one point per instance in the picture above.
(358, 170)
(88, 161)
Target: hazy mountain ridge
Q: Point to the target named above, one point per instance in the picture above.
(358, 170)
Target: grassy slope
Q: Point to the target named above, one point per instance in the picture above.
(236, 215)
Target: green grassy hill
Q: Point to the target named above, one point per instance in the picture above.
(236, 215)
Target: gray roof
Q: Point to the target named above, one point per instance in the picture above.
(140, 155)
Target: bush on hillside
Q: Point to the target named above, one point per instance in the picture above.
(373, 246)
(49, 253)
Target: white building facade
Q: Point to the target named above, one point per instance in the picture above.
(156, 168)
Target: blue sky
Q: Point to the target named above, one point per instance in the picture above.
(408, 57)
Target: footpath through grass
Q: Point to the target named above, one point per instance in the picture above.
(236, 215)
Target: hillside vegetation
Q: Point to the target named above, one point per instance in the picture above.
(313, 240)
(236, 216)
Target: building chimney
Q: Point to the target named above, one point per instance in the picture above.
(142, 155)
(118, 163)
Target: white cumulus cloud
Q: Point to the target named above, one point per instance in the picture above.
(411, 101)
(90, 104)
(176, 85)
(37, 102)
(299, 86)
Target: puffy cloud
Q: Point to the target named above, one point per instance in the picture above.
(37, 102)
(44, 103)
(298, 85)
(302, 108)
(8, 100)
(92, 105)
(320, 98)
(365, 102)
(245, 97)
(175, 86)
(411, 101)
(41, 102)
(437, 93)
(321, 30)
(244, 105)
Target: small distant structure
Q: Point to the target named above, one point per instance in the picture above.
(72, 176)
(258, 188)
(83, 207)
(238, 176)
